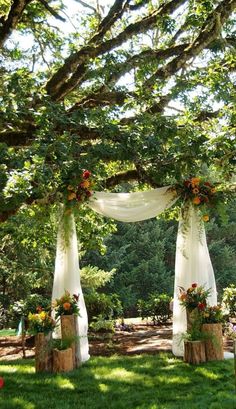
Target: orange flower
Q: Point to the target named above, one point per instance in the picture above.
(205, 218)
(66, 306)
(196, 200)
(195, 190)
(195, 181)
(71, 196)
(85, 184)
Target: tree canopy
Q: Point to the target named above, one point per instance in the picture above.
(134, 90)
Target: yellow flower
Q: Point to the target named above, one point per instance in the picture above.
(213, 190)
(205, 218)
(43, 315)
(85, 184)
(195, 190)
(69, 187)
(71, 196)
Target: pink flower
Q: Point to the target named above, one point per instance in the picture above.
(1, 382)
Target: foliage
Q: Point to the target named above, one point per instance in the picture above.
(99, 324)
(99, 304)
(194, 297)
(229, 301)
(157, 307)
(93, 277)
(138, 381)
(212, 314)
(67, 304)
(40, 322)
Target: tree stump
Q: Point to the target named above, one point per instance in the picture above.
(69, 333)
(43, 352)
(62, 360)
(213, 342)
(194, 352)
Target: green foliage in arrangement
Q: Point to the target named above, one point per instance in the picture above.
(139, 382)
(156, 307)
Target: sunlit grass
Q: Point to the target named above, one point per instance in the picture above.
(137, 382)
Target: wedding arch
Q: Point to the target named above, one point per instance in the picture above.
(192, 261)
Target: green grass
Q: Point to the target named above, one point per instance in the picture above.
(7, 332)
(119, 382)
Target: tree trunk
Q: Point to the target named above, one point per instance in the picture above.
(214, 341)
(69, 333)
(62, 360)
(194, 352)
(43, 352)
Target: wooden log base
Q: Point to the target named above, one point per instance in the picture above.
(69, 332)
(62, 360)
(194, 352)
(43, 353)
(214, 344)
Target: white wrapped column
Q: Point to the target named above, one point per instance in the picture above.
(67, 277)
(192, 265)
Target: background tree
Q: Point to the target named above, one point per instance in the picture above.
(138, 90)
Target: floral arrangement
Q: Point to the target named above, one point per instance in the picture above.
(201, 193)
(194, 297)
(66, 305)
(230, 331)
(212, 315)
(40, 322)
(79, 191)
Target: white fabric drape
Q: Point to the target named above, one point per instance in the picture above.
(135, 206)
(192, 265)
(67, 277)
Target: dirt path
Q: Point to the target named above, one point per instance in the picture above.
(140, 339)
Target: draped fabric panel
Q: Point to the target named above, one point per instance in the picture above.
(135, 206)
(67, 277)
(192, 265)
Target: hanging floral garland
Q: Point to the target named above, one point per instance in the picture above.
(80, 191)
(199, 193)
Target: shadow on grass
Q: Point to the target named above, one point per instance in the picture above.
(135, 382)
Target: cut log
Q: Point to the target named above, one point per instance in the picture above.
(69, 334)
(43, 352)
(193, 319)
(62, 360)
(194, 352)
(213, 342)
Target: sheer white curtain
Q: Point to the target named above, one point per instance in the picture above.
(192, 265)
(67, 277)
(135, 206)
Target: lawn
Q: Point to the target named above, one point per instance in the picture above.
(120, 382)
(7, 332)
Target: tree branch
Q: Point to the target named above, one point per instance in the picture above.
(14, 16)
(52, 11)
(209, 32)
(82, 57)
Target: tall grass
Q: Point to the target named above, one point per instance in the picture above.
(137, 382)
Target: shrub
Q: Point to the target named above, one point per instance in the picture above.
(157, 307)
(99, 304)
(229, 301)
(102, 325)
